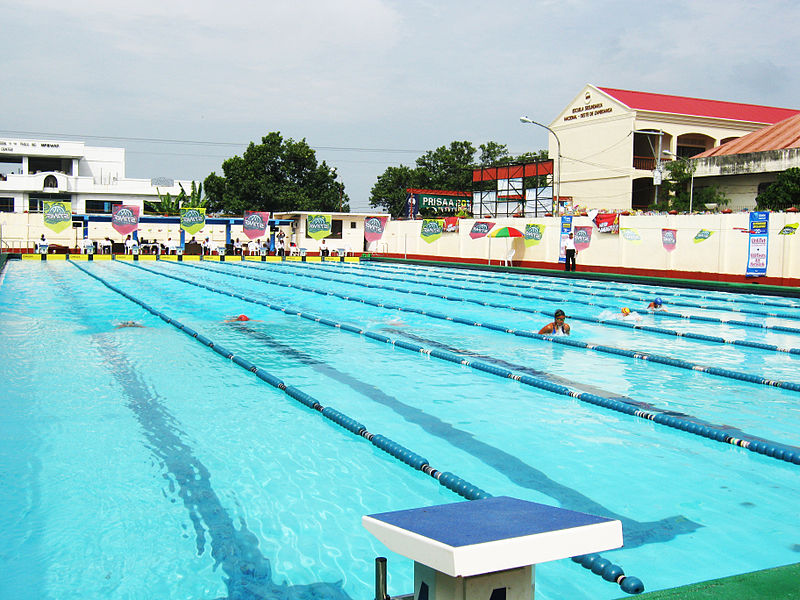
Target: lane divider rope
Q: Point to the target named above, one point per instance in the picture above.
(610, 572)
(748, 442)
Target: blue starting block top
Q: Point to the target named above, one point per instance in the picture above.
(494, 534)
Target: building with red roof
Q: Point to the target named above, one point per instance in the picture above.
(614, 143)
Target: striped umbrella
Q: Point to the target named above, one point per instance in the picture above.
(506, 232)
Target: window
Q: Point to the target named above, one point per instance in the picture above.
(6, 205)
(101, 206)
(353, 224)
(36, 202)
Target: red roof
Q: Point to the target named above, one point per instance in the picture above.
(785, 134)
(681, 105)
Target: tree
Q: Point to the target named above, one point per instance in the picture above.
(389, 192)
(782, 194)
(676, 190)
(277, 175)
(446, 168)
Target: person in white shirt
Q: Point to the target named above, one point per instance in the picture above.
(129, 243)
(252, 247)
(569, 252)
(171, 246)
(42, 244)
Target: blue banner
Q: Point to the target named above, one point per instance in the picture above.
(759, 242)
(566, 228)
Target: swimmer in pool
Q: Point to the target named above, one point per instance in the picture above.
(128, 324)
(657, 304)
(239, 319)
(558, 326)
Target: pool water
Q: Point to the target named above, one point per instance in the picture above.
(138, 463)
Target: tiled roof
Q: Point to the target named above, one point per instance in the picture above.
(682, 105)
(785, 134)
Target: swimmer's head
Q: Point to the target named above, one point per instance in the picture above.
(560, 315)
(657, 302)
(242, 318)
(626, 311)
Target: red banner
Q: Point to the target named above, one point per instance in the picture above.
(374, 227)
(607, 222)
(125, 219)
(480, 229)
(669, 237)
(583, 237)
(255, 224)
(451, 224)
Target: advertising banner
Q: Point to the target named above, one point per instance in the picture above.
(451, 224)
(566, 228)
(440, 201)
(431, 229)
(583, 237)
(631, 235)
(669, 239)
(125, 219)
(789, 229)
(607, 223)
(534, 232)
(702, 236)
(374, 228)
(57, 215)
(193, 219)
(254, 224)
(480, 229)
(318, 226)
(759, 242)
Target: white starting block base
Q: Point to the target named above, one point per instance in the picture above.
(514, 584)
(474, 550)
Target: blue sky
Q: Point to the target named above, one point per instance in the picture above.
(368, 83)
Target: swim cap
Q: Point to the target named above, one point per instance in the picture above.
(560, 313)
(626, 310)
(657, 302)
(242, 318)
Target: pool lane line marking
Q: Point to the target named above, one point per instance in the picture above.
(447, 479)
(757, 445)
(612, 322)
(558, 281)
(674, 362)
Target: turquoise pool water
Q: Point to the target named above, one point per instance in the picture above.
(138, 463)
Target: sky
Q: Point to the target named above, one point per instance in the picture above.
(367, 83)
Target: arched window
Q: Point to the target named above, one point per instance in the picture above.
(51, 182)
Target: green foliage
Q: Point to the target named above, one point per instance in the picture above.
(782, 194)
(167, 205)
(277, 175)
(445, 168)
(675, 190)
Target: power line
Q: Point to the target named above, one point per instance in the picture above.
(202, 143)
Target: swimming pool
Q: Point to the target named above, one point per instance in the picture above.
(140, 463)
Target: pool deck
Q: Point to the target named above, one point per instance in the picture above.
(780, 583)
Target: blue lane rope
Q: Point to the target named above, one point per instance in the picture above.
(659, 313)
(612, 322)
(748, 442)
(610, 572)
(506, 279)
(674, 362)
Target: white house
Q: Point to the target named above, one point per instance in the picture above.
(92, 178)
